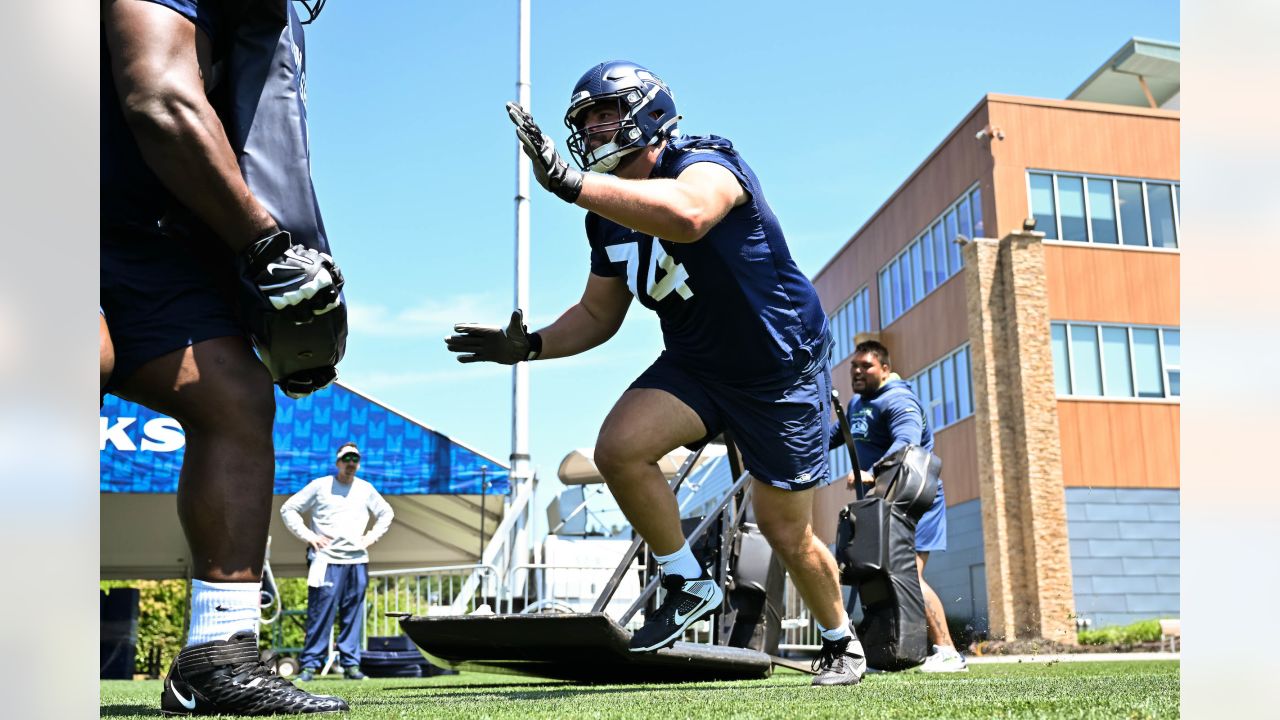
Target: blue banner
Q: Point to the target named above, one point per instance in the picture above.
(141, 450)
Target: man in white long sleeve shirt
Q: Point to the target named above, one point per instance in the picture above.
(340, 505)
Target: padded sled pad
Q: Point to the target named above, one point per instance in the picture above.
(586, 648)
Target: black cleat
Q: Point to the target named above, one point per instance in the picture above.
(688, 601)
(229, 677)
(840, 662)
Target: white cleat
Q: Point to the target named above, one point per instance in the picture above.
(944, 660)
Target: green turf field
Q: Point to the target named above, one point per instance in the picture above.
(1062, 690)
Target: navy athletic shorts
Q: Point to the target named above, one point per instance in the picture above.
(160, 293)
(781, 428)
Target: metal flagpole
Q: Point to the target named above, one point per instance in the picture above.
(521, 476)
(520, 371)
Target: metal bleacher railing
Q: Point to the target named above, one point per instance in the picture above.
(502, 584)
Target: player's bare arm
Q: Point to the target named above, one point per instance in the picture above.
(589, 323)
(160, 61)
(592, 321)
(681, 210)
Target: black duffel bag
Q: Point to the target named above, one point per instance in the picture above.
(875, 550)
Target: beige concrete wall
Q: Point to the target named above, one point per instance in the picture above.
(1019, 454)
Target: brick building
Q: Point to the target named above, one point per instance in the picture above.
(1047, 358)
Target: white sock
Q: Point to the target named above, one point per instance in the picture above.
(681, 562)
(835, 634)
(219, 610)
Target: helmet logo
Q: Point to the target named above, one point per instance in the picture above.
(646, 75)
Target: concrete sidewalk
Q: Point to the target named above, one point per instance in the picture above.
(1072, 657)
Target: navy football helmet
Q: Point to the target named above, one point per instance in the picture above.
(646, 113)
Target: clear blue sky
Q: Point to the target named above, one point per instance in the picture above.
(832, 103)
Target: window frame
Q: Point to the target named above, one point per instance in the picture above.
(845, 325)
(1165, 366)
(1175, 187)
(1097, 327)
(948, 388)
(942, 266)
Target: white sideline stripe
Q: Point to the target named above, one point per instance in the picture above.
(1071, 657)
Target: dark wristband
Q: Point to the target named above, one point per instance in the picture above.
(535, 346)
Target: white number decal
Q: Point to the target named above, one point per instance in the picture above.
(675, 277)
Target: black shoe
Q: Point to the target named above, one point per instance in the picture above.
(840, 662)
(688, 601)
(229, 677)
(352, 672)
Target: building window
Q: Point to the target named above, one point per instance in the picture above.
(1160, 204)
(1118, 363)
(945, 389)
(1173, 361)
(853, 317)
(1102, 212)
(1061, 366)
(975, 201)
(930, 274)
(839, 460)
(1086, 368)
(886, 293)
(1146, 363)
(937, 237)
(1071, 208)
(930, 259)
(1093, 360)
(1085, 208)
(1043, 208)
(1133, 213)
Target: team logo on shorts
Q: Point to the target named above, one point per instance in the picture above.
(802, 478)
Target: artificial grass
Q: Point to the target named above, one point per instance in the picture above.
(1027, 690)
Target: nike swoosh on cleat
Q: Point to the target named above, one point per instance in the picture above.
(221, 608)
(188, 703)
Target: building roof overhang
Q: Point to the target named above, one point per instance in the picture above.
(1121, 79)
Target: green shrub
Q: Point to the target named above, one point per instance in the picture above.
(1139, 632)
(293, 594)
(162, 620)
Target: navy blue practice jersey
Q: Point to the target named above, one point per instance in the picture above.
(732, 305)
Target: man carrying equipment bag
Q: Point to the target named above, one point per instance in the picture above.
(875, 550)
(885, 419)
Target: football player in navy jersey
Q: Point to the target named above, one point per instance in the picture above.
(178, 219)
(681, 224)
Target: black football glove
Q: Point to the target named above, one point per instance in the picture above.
(550, 170)
(294, 280)
(491, 343)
